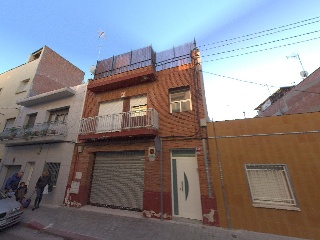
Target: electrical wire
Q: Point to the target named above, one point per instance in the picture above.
(187, 56)
(268, 30)
(261, 44)
(260, 50)
(245, 81)
(263, 35)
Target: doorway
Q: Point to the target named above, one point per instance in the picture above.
(186, 199)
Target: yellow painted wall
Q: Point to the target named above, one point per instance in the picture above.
(300, 153)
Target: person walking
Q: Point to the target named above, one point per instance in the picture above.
(12, 183)
(42, 182)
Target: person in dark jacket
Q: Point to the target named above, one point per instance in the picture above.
(21, 192)
(42, 182)
(12, 183)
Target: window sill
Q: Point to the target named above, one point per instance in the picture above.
(283, 207)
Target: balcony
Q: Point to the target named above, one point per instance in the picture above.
(39, 133)
(135, 124)
(125, 70)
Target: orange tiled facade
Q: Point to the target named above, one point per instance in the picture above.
(291, 140)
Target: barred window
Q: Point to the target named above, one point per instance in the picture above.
(53, 169)
(270, 186)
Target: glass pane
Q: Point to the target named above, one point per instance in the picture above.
(178, 96)
(175, 107)
(183, 153)
(185, 106)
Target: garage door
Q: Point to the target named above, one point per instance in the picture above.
(118, 180)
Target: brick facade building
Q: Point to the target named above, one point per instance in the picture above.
(301, 98)
(141, 141)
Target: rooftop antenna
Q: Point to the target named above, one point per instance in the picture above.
(101, 36)
(303, 73)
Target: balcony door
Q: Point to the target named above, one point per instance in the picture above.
(110, 116)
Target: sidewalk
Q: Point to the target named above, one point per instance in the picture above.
(92, 223)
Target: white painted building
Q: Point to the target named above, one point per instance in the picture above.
(43, 137)
(44, 71)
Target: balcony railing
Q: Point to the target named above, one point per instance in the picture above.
(120, 122)
(37, 130)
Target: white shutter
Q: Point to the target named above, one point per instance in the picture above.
(110, 116)
(113, 107)
(138, 101)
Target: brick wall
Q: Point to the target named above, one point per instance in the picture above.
(54, 72)
(180, 130)
(303, 98)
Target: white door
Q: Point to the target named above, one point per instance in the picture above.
(110, 117)
(186, 188)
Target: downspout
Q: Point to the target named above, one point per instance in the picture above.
(207, 167)
(161, 181)
(222, 180)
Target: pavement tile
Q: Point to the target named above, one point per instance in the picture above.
(97, 223)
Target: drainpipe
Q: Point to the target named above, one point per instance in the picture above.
(222, 180)
(207, 167)
(161, 181)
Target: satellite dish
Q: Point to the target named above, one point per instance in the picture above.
(304, 74)
(93, 69)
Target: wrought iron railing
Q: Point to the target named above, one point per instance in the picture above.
(37, 130)
(120, 121)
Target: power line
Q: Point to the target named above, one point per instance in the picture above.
(263, 35)
(187, 56)
(261, 44)
(261, 84)
(268, 30)
(261, 50)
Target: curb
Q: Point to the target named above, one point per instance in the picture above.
(57, 232)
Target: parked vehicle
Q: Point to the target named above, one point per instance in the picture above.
(10, 210)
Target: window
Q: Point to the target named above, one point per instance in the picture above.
(180, 100)
(9, 123)
(35, 55)
(60, 115)
(138, 106)
(31, 120)
(53, 169)
(23, 86)
(270, 186)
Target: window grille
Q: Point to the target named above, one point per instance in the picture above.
(53, 169)
(270, 186)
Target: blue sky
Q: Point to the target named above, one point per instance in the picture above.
(71, 29)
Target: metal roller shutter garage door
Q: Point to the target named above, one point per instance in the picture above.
(118, 180)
